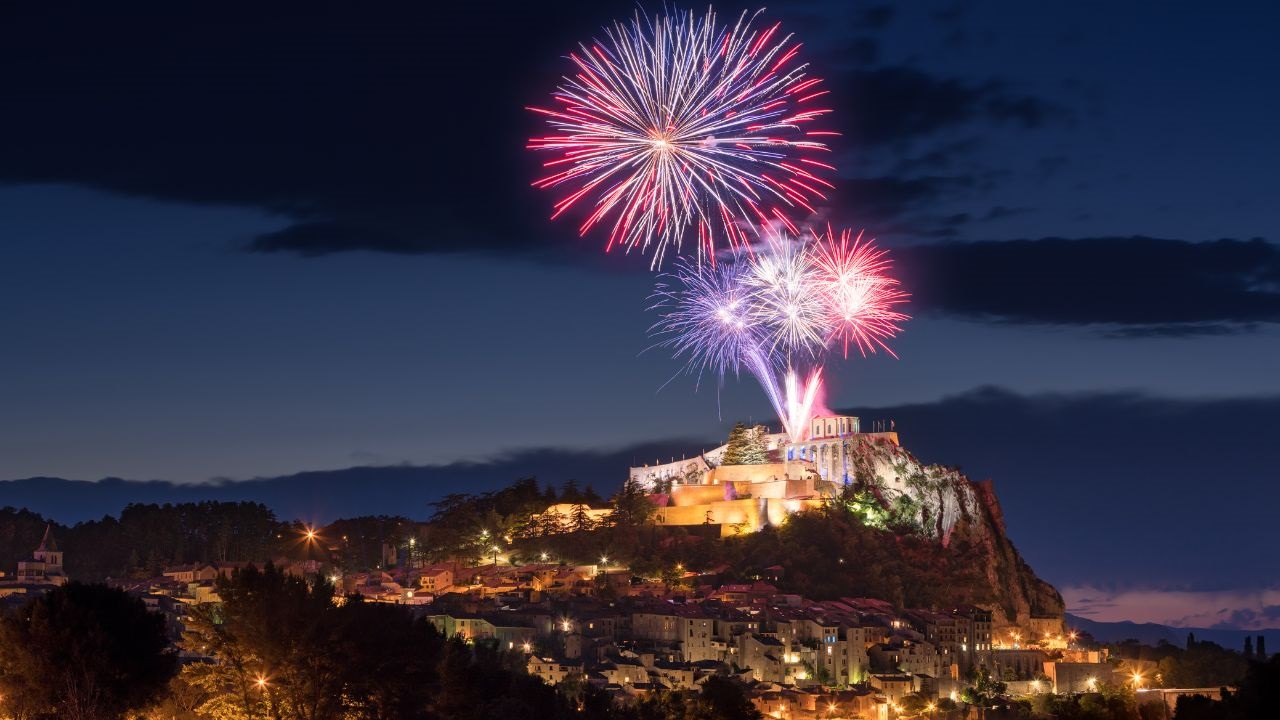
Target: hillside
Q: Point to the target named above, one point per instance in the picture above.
(943, 505)
(916, 535)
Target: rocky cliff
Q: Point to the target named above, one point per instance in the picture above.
(941, 504)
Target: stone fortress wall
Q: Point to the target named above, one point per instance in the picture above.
(746, 498)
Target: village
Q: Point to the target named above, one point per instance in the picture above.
(602, 625)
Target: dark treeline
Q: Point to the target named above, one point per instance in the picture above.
(1198, 664)
(146, 538)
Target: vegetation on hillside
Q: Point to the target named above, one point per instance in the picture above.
(82, 652)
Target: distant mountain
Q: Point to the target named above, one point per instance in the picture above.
(1152, 633)
(324, 496)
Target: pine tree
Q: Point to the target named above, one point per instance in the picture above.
(735, 452)
(1262, 648)
(754, 452)
(581, 521)
(1191, 640)
(1248, 646)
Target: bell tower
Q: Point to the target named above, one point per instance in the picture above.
(48, 552)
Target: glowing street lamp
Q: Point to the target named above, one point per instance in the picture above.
(1137, 680)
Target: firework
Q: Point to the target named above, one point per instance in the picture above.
(781, 307)
(707, 318)
(859, 294)
(787, 300)
(677, 129)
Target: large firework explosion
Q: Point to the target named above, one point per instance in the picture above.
(675, 129)
(778, 312)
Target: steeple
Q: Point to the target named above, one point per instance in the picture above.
(48, 552)
(48, 544)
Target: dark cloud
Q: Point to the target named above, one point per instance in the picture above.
(879, 199)
(1001, 212)
(380, 129)
(1127, 286)
(388, 129)
(876, 17)
(1191, 477)
(1268, 616)
(893, 104)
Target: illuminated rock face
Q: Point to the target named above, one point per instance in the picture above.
(946, 506)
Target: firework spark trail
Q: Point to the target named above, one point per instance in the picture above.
(859, 293)
(800, 403)
(677, 128)
(782, 306)
(787, 298)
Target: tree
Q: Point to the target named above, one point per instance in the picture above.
(736, 448)
(1262, 648)
(1248, 646)
(272, 638)
(631, 507)
(82, 652)
(723, 699)
(984, 690)
(746, 446)
(580, 520)
(755, 452)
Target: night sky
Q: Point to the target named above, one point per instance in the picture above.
(243, 241)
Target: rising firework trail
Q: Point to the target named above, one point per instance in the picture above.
(677, 130)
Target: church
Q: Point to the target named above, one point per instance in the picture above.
(45, 567)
